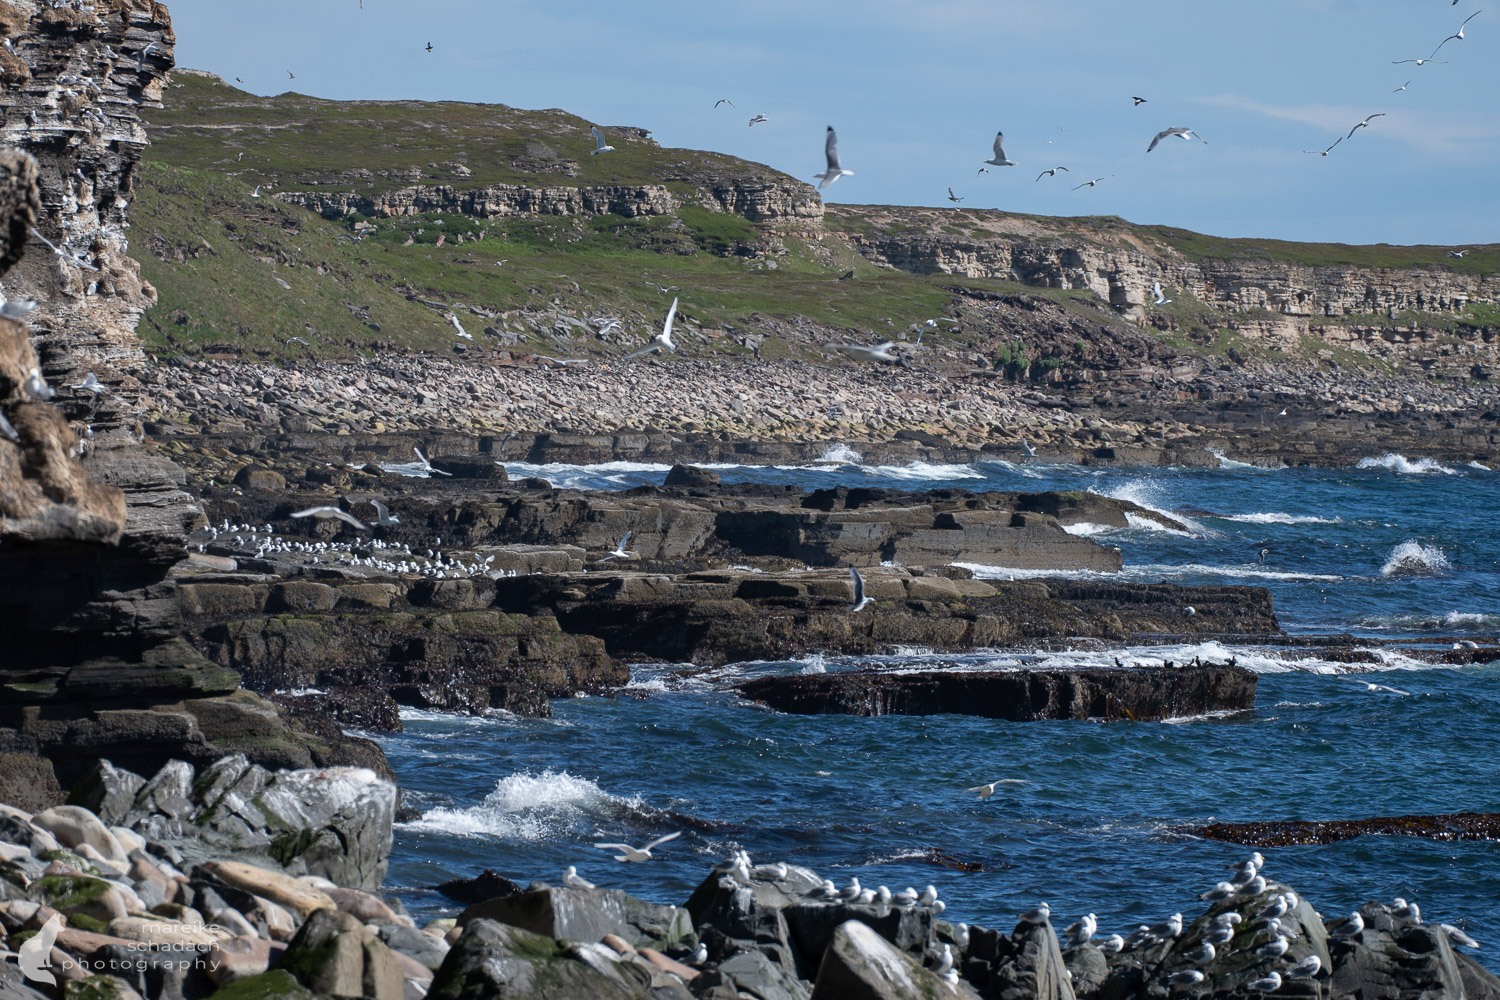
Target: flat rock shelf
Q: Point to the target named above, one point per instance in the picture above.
(1140, 694)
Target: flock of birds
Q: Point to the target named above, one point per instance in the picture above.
(1274, 925)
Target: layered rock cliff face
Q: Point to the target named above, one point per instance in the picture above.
(1391, 311)
(91, 527)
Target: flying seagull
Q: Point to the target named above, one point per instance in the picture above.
(1161, 298)
(69, 257)
(1050, 173)
(1458, 253)
(659, 288)
(1459, 34)
(1365, 123)
(663, 339)
(291, 75)
(1419, 62)
(323, 513)
(1089, 184)
(453, 318)
(861, 352)
(1138, 101)
(985, 791)
(953, 197)
(91, 384)
(982, 170)
(1314, 152)
(1185, 134)
(723, 100)
(426, 465)
(429, 46)
(383, 516)
(638, 854)
(20, 308)
(834, 171)
(619, 550)
(758, 119)
(999, 159)
(860, 600)
(1402, 87)
(600, 146)
(140, 60)
(256, 192)
(1028, 448)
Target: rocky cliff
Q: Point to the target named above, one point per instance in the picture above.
(92, 527)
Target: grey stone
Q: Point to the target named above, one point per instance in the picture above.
(588, 915)
(108, 791)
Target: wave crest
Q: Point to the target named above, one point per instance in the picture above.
(1405, 466)
(1412, 558)
(529, 806)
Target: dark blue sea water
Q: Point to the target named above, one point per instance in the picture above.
(1396, 549)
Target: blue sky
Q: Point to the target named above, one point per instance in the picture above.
(917, 89)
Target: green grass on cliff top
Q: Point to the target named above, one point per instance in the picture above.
(238, 274)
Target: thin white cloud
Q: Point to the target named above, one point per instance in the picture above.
(1434, 132)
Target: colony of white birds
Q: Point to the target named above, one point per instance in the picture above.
(1273, 925)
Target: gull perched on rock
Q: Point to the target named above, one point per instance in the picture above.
(20, 308)
(36, 386)
(1349, 928)
(638, 854)
(1269, 983)
(619, 550)
(663, 339)
(1186, 134)
(324, 513)
(860, 598)
(600, 146)
(573, 880)
(831, 151)
(1305, 969)
(985, 791)
(1187, 977)
(999, 159)
(1040, 915)
(1458, 937)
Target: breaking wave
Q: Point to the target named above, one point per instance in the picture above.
(530, 806)
(1412, 558)
(1405, 466)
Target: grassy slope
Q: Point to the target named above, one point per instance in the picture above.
(216, 254)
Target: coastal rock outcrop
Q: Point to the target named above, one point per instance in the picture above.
(1138, 694)
(92, 526)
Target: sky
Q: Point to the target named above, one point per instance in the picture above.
(918, 88)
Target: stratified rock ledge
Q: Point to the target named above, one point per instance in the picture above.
(1284, 833)
(1139, 694)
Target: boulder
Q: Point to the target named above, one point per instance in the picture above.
(258, 477)
(691, 475)
(862, 965)
(335, 821)
(588, 915)
(278, 984)
(107, 791)
(1026, 965)
(74, 826)
(28, 782)
(491, 961)
(278, 888)
(235, 958)
(468, 467)
(486, 885)
(335, 954)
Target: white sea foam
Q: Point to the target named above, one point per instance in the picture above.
(1088, 529)
(922, 470)
(841, 454)
(1146, 493)
(1412, 558)
(1476, 464)
(1275, 517)
(412, 470)
(528, 806)
(1229, 463)
(1458, 621)
(1405, 466)
(1143, 523)
(1148, 572)
(816, 663)
(573, 477)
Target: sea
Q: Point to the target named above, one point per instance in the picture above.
(1098, 821)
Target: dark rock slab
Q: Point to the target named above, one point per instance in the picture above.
(488, 884)
(1141, 694)
(588, 915)
(1284, 833)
